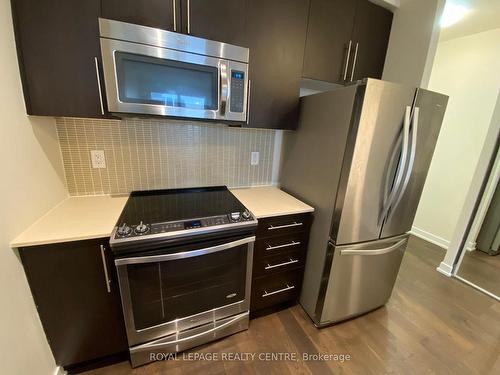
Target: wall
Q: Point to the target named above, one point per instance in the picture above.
(144, 154)
(413, 40)
(467, 70)
(32, 183)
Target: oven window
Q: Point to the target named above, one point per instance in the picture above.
(164, 291)
(151, 80)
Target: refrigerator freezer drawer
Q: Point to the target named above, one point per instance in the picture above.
(361, 278)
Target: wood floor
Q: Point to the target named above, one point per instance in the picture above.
(432, 325)
(482, 269)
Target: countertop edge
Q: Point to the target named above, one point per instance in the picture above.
(294, 212)
(18, 245)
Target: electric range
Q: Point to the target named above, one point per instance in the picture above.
(184, 264)
(158, 217)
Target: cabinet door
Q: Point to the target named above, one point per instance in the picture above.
(328, 35)
(220, 20)
(152, 13)
(276, 32)
(81, 319)
(57, 43)
(371, 36)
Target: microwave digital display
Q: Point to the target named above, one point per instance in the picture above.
(237, 75)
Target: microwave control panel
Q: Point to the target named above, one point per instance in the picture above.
(237, 91)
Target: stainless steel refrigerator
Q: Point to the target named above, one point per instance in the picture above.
(360, 156)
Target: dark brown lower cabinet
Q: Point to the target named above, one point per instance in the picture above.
(278, 261)
(76, 293)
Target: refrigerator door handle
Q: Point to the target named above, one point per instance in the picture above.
(385, 250)
(411, 161)
(401, 167)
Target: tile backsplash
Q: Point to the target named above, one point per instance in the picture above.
(152, 154)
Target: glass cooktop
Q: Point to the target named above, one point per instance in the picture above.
(158, 206)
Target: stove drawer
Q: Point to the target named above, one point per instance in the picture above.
(279, 245)
(278, 263)
(274, 289)
(283, 225)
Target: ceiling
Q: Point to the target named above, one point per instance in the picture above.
(483, 15)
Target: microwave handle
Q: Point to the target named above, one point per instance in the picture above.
(224, 87)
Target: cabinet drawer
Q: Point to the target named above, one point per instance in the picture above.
(278, 263)
(281, 225)
(272, 246)
(274, 289)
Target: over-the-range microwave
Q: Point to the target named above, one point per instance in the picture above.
(150, 71)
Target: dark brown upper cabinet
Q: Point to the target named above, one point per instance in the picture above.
(371, 36)
(57, 44)
(276, 33)
(346, 40)
(220, 20)
(161, 14)
(80, 311)
(328, 34)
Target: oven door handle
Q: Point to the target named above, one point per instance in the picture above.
(184, 254)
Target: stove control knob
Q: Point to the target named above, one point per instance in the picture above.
(246, 215)
(124, 230)
(235, 216)
(141, 228)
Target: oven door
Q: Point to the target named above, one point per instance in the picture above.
(151, 80)
(173, 292)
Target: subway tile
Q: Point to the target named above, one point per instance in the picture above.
(146, 154)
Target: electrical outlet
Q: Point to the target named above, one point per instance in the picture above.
(98, 159)
(254, 159)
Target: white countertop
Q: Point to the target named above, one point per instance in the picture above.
(83, 218)
(270, 201)
(75, 218)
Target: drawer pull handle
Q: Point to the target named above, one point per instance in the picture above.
(288, 287)
(294, 224)
(291, 261)
(293, 243)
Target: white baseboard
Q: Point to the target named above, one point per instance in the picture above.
(445, 269)
(59, 371)
(429, 237)
(470, 246)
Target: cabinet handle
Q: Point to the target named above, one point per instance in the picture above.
(291, 261)
(294, 224)
(175, 14)
(99, 84)
(354, 60)
(188, 17)
(293, 243)
(288, 287)
(347, 60)
(105, 267)
(248, 100)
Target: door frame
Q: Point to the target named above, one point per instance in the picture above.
(451, 262)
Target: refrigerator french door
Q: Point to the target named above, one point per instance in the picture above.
(360, 156)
